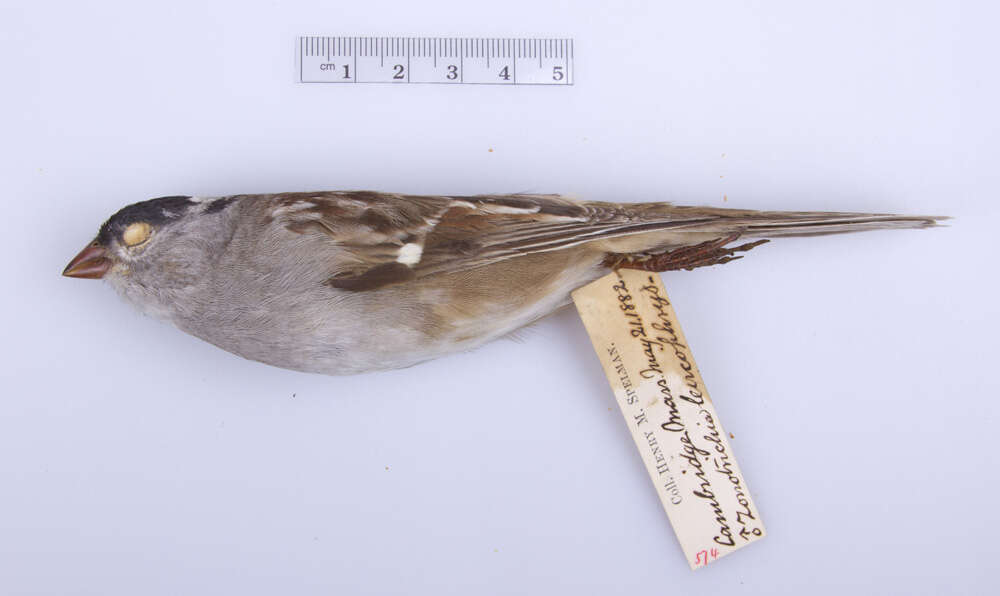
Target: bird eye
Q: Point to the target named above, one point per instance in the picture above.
(137, 233)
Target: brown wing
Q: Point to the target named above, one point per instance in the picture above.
(390, 238)
(386, 238)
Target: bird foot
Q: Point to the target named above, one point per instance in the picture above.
(708, 253)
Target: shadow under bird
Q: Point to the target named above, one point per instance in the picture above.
(355, 281)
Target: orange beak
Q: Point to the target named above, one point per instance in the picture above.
(91, 263)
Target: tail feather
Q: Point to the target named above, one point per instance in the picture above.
(837, 223)
(774, 224)
(703, 239)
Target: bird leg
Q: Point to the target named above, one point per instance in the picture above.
(708, 253)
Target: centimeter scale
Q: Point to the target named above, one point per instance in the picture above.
(442, 60)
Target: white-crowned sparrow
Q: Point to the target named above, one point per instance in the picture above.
(346, 282)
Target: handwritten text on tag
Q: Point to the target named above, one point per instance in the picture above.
(668, 411)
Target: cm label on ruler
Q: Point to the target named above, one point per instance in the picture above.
(441, 60)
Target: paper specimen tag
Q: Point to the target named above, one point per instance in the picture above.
(667, 409)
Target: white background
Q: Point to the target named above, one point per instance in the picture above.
(857, 373)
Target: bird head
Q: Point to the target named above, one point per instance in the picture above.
(149, 249)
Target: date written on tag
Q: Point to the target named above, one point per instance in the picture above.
(676, 429)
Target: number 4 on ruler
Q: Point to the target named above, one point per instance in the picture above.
(444, 60)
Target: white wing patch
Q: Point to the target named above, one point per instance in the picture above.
(410, 253)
